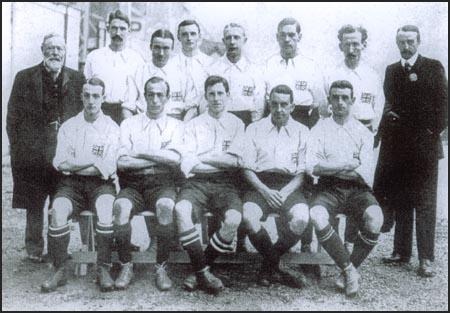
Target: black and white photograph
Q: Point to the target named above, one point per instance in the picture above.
(251, 156)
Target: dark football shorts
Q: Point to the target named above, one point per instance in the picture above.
(215, 193)
(83, 191)
(275, 181)
(340, 196)
(145, 190)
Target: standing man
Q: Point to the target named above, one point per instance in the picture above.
(86, 155)
(340, 154)
(182, 103)
(367, 89)
(298, 72)
(275, 149)
(147, 170)
(194, 63)
(211, 157)
(414, 116)
(245, 78)
(116, 65)
(42, 97)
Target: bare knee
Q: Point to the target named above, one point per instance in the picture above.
(299, 218)
(121, 211)
(373, 218)
(61, 210)
(319, 217)
(252, 215)
(164, 210)
(232, 219)
(104, 208)
(183, 213)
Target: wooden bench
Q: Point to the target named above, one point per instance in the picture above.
(87, 254)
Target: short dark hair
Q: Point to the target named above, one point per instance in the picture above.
(162, 33)
(349, 29)
(289, 21)
(187, 23)
(284, 89)
(95, 81)
(410, 28)
(155, 80)
(118, 15)
(341, 84)
(212, 80)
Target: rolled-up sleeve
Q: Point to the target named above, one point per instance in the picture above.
(302, 148)
(65, 150)
(250, 154)
(313, 151)
(125, 144)
(366, 169)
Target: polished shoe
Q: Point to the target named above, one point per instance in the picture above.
(163, 281)
(351, 280)
(290, 278)
(59, 278)
(340, 282)
(190, 283)
(125, 276)
(208, 282)
(426, 269)
(395, 258)
(104, 280)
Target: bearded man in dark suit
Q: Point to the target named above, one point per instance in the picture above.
(414, 116)
(42, 98)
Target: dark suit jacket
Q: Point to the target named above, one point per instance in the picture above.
(26, 125)
(410, 144)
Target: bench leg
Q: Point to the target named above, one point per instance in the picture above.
(87, 233)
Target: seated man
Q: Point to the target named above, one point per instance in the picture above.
(340, 153)
(274, 166)
(213, 142)
(147, 178)
(86, 153)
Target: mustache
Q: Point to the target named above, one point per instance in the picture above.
(117, 37)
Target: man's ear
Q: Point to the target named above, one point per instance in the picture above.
(299, 36)
(341, 47)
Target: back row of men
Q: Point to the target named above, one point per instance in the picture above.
(124, 73)
(154, 153)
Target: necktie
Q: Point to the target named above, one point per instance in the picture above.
(407, 67)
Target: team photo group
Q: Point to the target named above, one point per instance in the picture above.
(186, 133)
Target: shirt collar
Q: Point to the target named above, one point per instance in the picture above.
(214, 121)
(286, 128)
(160, 122)
(290, 62)
(241, 65)
(98, 124)
(412, 60)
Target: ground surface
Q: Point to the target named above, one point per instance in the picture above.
(382, 287)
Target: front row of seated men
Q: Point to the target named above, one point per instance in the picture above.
(206, 159)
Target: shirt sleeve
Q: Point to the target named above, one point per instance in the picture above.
(65, 150)
(249, 151)
(302, 148)
(366, 169)
(314, 152)
(176, 143)
(189, 149)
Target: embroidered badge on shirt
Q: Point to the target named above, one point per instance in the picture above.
(98, 150)
(248, 91)
(366, 97)
(301, 84)
(177, 96)
(225, 145)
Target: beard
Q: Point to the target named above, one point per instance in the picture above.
(54, 65)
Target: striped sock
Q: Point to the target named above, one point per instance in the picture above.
(364, 243)
(58, 242)
(122, 233)
(331, 242)
(104, 238)
(190, 240)
(217, 245)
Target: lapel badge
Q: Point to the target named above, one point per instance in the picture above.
(413, 77)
